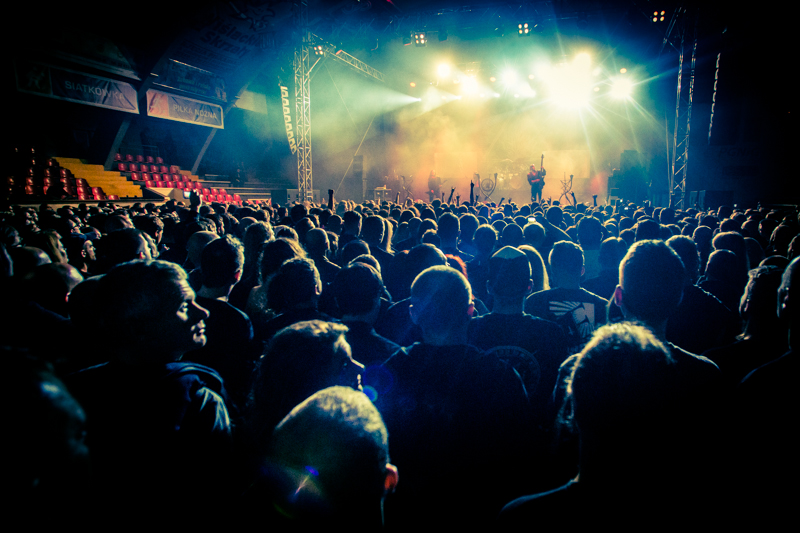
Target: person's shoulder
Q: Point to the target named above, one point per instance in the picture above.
(194, 374)
(546, 508)
(593, 297)
(780, 370)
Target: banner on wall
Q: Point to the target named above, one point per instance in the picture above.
(191, 79)
(287, 119)
(65, 84)
(182, 109)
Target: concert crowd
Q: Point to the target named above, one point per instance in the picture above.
(395, 365)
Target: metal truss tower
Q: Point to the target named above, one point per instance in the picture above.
(302, 91)
(683, 104)
(302, 99)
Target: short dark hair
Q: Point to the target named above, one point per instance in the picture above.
(448, 226)
(652, 276)
(130, 293)
(356, 288)
(220, 260)
(297, 281)
(567, 257)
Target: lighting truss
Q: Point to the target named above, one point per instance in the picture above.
(683, 107)
(338, 54)
(302, 99)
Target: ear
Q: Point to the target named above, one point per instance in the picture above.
(238, 276)
(618, 296)
(414, 315)
(471, 309)
(392, 477)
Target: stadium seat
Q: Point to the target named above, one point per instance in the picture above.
(136, 176)
(128, 158)
(122, 167)
(159, 160)
(140, 159)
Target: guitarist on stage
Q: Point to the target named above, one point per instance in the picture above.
(434, 186)
(536, 181)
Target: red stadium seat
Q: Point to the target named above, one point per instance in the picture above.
(140, 159)
(122, 167)
(206, 192)
(237, 198)
(133, 167)
(214, 191)
(146, 176)
(179, 185)
(118, 157)
(148, 183)
(174, 169)
(229, 198)
(113, 197)
(159, 161)
(129, 158)
(149, 160)
(160, 184)
(136, 176)
(163, 169)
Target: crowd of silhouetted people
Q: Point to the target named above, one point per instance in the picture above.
(400, 365)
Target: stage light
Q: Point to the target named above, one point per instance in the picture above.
(524, 29)
(583, 60)
(570, 84)
(509, 77)
(531, 76)
(623, 70)
(470, 86)
(318, 50)
(621, 88)
(658, 16)
(492, 79)
(420, 39)
(443, 70)
(412, 84)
